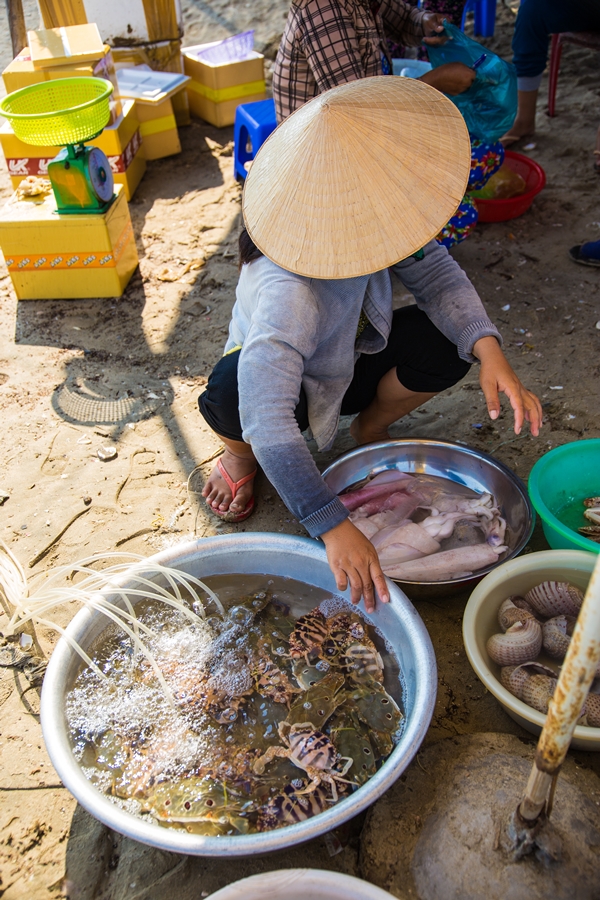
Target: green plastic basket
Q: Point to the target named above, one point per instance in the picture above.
(558, 483)
(64, 111)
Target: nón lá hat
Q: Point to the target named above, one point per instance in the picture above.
(358, 178)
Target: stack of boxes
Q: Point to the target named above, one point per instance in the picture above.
(59, 255)
(217, 89)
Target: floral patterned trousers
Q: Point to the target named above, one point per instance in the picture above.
(486, 158)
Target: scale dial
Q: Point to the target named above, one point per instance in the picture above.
(101, 177)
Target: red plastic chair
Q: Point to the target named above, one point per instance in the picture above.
(589, 39)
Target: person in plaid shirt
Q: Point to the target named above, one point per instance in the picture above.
(330, 42)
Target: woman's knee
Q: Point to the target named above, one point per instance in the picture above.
(432, 363)
(219, 404)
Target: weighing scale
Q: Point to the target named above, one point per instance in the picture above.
(68, 111)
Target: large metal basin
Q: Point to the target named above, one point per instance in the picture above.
(464, 465)
(270, 554)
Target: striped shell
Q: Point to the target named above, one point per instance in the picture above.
(522, 603)
(363, 662)
(591, 711)
(508, 614)
(555, 598)
(290, 807)
(309, 634)
(311, 748)
(513, 678)
(538, 691)
(521, 643)
(556, 635)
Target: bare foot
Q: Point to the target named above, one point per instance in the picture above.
(364, 435)
(218, 493)
(515, 135)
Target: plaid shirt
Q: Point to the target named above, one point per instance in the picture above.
(330, 42)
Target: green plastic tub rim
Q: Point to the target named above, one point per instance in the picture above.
(577, 541)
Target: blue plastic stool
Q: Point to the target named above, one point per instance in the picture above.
(254, 122)
(485, 16)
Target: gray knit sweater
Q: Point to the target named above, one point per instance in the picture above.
(296, 331)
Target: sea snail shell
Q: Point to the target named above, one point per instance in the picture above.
(522, 603)
(555, 598)
(509, 613)
(513, 678)
(591, 711)
(522, 642)
(556, 635)
(538, 691)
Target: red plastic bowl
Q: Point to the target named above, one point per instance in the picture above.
(502, 210)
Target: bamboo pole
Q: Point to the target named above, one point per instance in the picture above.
(16, 24)
(576, 676)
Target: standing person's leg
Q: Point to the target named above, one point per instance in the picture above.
(536, 21)
(229, 490)
(418, 363)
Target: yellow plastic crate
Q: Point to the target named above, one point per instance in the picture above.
(51, 256)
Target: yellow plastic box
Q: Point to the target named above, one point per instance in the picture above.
(68, 46)
(21, 73)
(121, 142)
(158, 129)
(217, 89)
(51, 256)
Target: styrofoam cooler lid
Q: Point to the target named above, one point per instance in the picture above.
(143, 84)
(410, 68)
(300, 884)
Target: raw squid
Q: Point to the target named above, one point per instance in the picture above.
(381, 485)
(447, 565)
(427, 528)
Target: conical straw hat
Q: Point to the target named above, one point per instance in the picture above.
(358, 178)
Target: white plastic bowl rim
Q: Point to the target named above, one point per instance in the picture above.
(577, 559)
(299, 884)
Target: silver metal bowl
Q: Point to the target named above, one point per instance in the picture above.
(459, 463)
(269, 554)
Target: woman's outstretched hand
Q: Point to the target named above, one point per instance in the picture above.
(353, 560)
(496, 374)
(433, 24)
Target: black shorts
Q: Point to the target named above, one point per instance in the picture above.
(425, 361)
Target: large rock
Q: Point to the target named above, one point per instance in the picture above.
(439, 833)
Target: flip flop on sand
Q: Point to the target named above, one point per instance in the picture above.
(586, 254)
(234, 487)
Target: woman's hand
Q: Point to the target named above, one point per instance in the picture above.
(450, 78)
(433, 23)
(496, 375)
(353, 559)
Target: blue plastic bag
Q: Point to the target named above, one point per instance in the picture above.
(489, 106)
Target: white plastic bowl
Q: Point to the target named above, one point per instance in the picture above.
(480, 622)
(301, 884)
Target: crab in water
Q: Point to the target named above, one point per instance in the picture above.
(312, 751)
(292, 805)
(310, 633)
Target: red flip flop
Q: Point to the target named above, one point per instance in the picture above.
(234, 487)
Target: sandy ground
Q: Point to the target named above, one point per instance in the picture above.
(150, 354)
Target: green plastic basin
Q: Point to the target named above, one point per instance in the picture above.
(558, 484)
